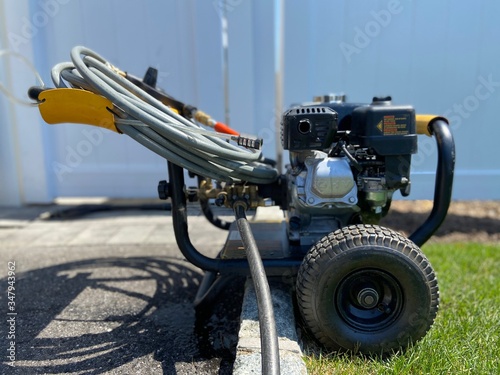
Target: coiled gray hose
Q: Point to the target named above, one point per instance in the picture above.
(157, 127)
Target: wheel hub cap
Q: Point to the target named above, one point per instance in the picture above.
(368, 298)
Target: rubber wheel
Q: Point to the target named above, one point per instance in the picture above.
(367, 289)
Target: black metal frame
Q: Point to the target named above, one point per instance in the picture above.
(444, 182)
(273, 267)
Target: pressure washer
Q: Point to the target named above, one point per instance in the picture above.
(360, 287)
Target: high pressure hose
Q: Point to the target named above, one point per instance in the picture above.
(268, 335)
(158, 127)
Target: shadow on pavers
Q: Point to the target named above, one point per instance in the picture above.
(93, 316)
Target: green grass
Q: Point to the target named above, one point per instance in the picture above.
(465, 338)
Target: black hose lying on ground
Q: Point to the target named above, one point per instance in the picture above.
(268, 335)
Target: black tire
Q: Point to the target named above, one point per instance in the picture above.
(367, 289)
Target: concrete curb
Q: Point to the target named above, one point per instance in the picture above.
(248, 356)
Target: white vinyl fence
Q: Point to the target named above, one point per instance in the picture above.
(439, 56)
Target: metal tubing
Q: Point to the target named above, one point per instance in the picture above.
(210, 216)
(444, 182)
(236, 266)
(179, 218)
(268, 334)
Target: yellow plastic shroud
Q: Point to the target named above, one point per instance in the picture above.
(76, 106)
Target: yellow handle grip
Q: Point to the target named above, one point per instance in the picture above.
(423, 122)
(76, 106)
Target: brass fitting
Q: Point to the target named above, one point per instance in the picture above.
(230, 194)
